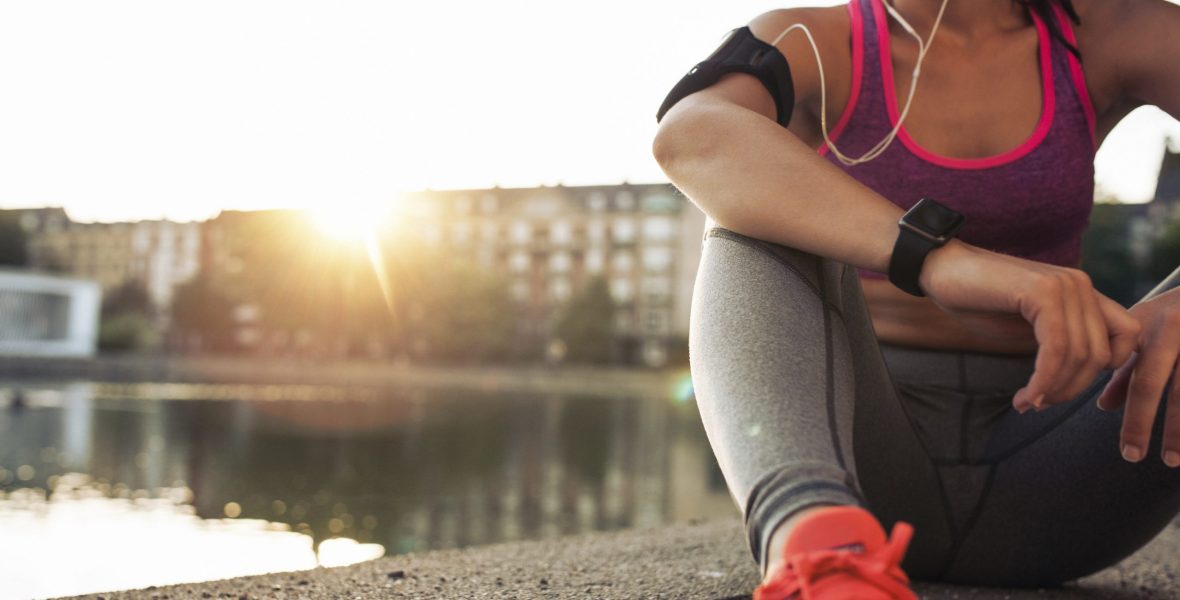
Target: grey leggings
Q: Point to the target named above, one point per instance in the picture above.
(803, 406)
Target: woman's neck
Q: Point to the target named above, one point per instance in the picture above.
(968, 21)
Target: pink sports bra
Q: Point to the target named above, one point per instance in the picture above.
(1033, 201)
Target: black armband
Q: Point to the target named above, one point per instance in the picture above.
(741, 52)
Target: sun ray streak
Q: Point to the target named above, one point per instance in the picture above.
(377, 261)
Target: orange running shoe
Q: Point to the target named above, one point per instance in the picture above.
(840, 553)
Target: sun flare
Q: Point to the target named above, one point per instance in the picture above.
(359, 224)
(350, 222)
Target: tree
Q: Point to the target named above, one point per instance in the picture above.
(1106, 253)
(202, 310)
(13, 240)
(126, 322)
(131, 298)
(585, 325)
(458, 312)
(1165, 253)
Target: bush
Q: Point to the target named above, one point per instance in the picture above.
(127, 333)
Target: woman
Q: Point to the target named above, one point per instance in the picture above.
(832, 398)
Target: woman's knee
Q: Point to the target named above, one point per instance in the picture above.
(808, 268)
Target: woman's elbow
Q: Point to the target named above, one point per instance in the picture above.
(669, 143)
(681, 141)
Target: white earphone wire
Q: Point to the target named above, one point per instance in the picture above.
(879, 147)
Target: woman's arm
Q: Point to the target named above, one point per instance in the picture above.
(722, 147)
(1133, 45)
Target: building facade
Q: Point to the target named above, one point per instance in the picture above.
(159, 255)
(550, 242)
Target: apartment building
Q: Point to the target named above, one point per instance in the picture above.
(551, 241)
(158, 254)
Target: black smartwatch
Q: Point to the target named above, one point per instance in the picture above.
(926, 226)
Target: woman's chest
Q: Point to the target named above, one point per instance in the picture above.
(1036, 207)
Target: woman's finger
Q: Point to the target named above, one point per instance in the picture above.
(1077, 347)
(1123, 328)
(1093, 353)
(1156, 362)
(1114, 395)
(1170, 453)
(1047, 315)
(1100, 352)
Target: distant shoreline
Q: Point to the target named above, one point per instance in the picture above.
(608, 381)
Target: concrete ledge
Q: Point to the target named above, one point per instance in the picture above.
(706, 561)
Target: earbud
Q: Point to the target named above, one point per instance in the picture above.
(880, 147)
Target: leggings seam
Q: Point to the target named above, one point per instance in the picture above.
(830, 382)
(942, 495)
(966, 416)
(759, 246)
(958, 539)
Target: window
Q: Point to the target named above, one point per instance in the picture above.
(521, 232)
(622, 262)
(657, 258)
(432, 234)
(488, 203)
(657, 285)
(489, 230)
(559, 262)
(594, 261)
(622, 290)
(596, 231)
(560, 233)
(653, 322)
(597, 201)
(461, 232)
(560, 289)
(519, 262)
(625, 201)
(658, 229)
(624, 230)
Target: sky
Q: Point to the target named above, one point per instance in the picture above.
(141, 109)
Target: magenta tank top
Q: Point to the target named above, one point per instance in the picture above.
(1033, 201)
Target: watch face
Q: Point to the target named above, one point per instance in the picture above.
(933, 218)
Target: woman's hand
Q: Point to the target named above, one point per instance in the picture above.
(1139, 384)
(1079, 331)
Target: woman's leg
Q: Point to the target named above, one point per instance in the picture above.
(1062, 502)
(786, 369)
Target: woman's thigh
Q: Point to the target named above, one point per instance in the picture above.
(1060, 501)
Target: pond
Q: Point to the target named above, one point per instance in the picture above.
(118, 486)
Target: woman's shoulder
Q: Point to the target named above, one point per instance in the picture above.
(1126, 45)
(828, 24)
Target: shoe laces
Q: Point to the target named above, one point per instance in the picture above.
(880, 568)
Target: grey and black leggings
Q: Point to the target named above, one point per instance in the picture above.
(803, 406)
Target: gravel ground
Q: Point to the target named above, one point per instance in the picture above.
(706, 561)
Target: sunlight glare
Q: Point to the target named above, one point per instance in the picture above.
(352, 222)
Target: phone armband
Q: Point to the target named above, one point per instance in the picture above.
(743, 53)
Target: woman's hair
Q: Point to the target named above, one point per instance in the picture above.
(1044, 10)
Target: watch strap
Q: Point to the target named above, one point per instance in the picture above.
(905, 265)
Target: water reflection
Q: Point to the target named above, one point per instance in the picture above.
(408, 470)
